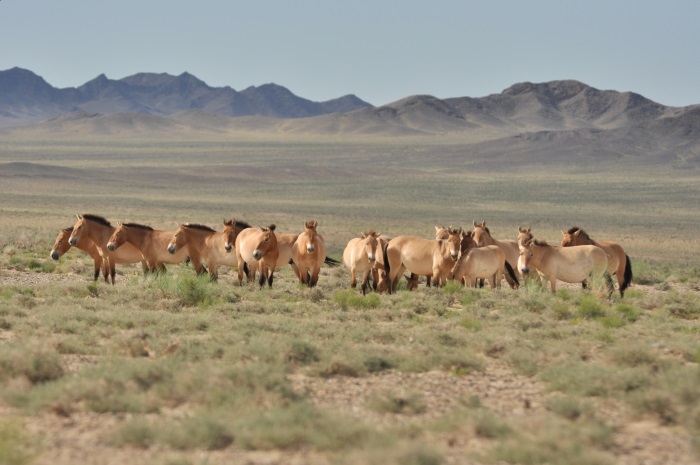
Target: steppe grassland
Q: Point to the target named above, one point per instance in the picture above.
(188, 366)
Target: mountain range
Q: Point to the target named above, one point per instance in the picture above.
(540, 122)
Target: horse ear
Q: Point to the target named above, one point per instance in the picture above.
(577, 232)
(562, 232)
(521, 229)
(362, 235)
(78, 216)
(474, 221)
(272, 227)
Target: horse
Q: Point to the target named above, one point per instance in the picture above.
(487, 262)
(309, 253)
(422, 256)
(285, 243)
(257, 246)
(98, 230)
(205, 244)
(151, 243)
(568, 264)
(619, 262)
(482, 237)
(62, 245)
(359, 256)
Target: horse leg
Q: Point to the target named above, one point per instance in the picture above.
(365, 282)
(317, 271)
(494, 281)
(427, 280)
(213, 270)
(112, 270)
(353, 279)
(553, 284)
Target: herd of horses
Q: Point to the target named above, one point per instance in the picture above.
(377, 261)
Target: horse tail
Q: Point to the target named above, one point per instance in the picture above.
(387, 269)
(628, 274)
(246, 270)
(330, 261)
(512, 274)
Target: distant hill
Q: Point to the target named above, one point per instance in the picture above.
(528, 123)
(26, 98)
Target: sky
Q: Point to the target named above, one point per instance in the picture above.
(379, 50)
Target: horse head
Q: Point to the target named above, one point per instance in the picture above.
(570, 237)
(267, 241)
(455, 242)
(480, 231)
(229, 234)
(61, 245)
(178, 240)
(524, 234)
(371, 240)
(118, 238)
(310, 235)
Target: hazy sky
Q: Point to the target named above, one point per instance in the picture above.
(380, 50)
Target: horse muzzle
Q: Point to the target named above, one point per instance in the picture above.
(257, 254)
(111, 246)
(524, 270)
(73, 241)
(55, 254)
(454, 256)
(171, 248)
(371, 258)
(310, 249)
(228, 247)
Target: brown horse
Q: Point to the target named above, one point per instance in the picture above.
(207, 245)
(62, 245)
(618, 261)
(309, 253)
(482, 237)
(258, 246)
(98, 230)
(422, 256)
(151, 243)
(360, 255)
(568, 264)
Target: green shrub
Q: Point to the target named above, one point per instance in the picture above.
(589, 308)
(15, 444)
(349, 298)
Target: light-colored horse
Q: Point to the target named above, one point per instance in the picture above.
(422, 256)
(207, 245)
(285, 243)
(487, 262)
(618, 261)
(258, 247)
(309, 254)
(360, 255)
(151, 243)
(482, 237)
(568, 264)
(98, 230)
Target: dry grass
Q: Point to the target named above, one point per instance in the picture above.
(192, 371)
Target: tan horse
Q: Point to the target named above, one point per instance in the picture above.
(98, 230)
(379, 276)
(207, 245)
(62, 245)
(309, 253)
(258, 246)
(568, 264)
(618, 261)
(285, 243)
(151, 243)
(360, 255)
(482, 237)
(422, 256)
(487, 262)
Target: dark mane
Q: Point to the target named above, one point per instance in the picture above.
(139, 226)
(242, 224)
(573, 229)
(541, 243)
(97, 219)
(68, 229)
(198, 226)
